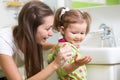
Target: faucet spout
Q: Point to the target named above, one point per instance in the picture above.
(107, 36)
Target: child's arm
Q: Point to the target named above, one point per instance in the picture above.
(78, 62)
(53, 52)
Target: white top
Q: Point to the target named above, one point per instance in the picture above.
(8, 47)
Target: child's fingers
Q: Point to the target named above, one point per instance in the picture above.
(83, 60)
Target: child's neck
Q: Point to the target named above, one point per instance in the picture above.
(62, 40)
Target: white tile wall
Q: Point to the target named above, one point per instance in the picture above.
(6, 16)
(110, 15)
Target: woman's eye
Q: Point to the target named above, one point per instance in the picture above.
(48, 28)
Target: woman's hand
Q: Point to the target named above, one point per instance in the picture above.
(64, 54)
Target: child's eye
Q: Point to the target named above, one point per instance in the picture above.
(74, 33)
(82, 33)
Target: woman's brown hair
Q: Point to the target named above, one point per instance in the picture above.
(31, 16)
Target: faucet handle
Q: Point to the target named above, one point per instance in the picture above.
(102, 26)
(107, 30)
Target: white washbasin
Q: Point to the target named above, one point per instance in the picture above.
(106, 55)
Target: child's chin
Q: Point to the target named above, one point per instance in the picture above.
(77, 46)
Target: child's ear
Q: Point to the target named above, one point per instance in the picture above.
(62, 29)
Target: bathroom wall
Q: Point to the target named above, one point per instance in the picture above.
(58, 3)
(6, 15)
(109, 15)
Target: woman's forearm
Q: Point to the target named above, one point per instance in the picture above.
(46, 72)
(70, 67)
(48, 45)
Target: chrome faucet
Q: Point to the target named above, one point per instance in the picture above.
(107, 36)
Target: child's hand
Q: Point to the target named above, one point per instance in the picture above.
(83, 60)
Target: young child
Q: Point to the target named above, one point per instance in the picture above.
(73, 26)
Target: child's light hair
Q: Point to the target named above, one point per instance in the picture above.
(64, 17)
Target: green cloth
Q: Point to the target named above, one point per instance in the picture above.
(78, 74)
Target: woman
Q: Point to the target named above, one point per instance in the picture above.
(24, 44)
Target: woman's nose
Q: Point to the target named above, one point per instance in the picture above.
(50, 33)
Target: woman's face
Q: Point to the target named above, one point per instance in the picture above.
(44, 31)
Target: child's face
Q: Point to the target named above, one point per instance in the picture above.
(75, 33)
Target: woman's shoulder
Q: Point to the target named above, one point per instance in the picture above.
(6, 40)
(6, 32)
(6, 35)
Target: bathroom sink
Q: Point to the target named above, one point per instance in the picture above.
(105, 55)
